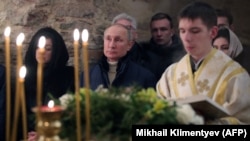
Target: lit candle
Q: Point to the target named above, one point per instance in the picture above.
(19, 42)
(51, 107)
(77, 89)
(85, 36)
(22, 75)
(41, 50)
(49, 125)
(8, 83)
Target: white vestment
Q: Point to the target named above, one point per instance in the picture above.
(218, 77)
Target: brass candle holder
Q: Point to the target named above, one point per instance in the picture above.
(48, 122)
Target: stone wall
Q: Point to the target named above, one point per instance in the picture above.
(28, 16)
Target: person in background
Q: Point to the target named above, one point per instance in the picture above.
(58, 78)
(136, 53)
(115, 69)
(164, 47)
(2, 102)
(224, 18)
(228, 42)
(205, 70)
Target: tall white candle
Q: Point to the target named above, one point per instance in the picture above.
(19, 42)
(8, 80)
(22, 75)
(77, 87)
(41, 50)
(85, 36)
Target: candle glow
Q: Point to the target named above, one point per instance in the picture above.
(51, 104)
(76, 35)
(22, 72)
(42, 42)
(20, 39)
(85, 35)
(7, 31)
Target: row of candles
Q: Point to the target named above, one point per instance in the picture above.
(20, 94)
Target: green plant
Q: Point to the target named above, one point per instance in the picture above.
(114, 110)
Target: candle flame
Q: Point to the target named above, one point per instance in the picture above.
(85, 35)
(51, 104)
(76, 35)
(7, 31)
(22, 72)
(20, 39)
(42, 42)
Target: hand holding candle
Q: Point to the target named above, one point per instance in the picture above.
(8, 83)
(85, 36)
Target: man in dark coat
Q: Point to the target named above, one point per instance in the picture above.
(164, 47)
(115, 68)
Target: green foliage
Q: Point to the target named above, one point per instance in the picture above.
(114, 110)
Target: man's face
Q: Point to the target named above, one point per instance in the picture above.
(222, 22)
(161, 31)
(116, 43)
(196, 37)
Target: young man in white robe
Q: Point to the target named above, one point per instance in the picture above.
(205, 70)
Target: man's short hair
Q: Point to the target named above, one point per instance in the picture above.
(160, 16)
(225, 13)
(126, 17)
(201, 10)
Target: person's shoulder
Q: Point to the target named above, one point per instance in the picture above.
(140, 68)
(225, 59)
(145, 44)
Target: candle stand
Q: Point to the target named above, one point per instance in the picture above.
(48, 124)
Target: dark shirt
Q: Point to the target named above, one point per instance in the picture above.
(157, 58)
